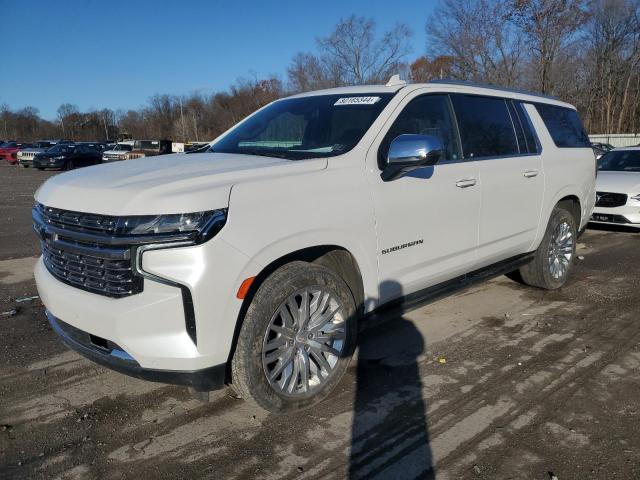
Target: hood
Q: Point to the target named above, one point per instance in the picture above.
(618, 182)
(45, 154)
(175, 183)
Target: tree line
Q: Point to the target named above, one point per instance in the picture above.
(586, 52)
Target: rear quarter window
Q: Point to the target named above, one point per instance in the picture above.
(564, 125)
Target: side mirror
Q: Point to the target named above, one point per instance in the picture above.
(409, 152)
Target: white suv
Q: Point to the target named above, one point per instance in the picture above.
(252, 264)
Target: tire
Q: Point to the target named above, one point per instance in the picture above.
(40, 168)
(252, 360)
(68, 165)
(543, 272)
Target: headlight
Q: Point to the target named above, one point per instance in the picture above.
(198, 226)
(59, 157)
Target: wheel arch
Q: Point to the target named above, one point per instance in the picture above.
(335, 257)
(573, 205)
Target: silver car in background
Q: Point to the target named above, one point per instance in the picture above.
(618, 188)
(25, 156)
(119, 152)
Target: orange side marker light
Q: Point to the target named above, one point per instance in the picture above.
(244, 287)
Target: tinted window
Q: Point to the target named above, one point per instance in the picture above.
(517, 125)
(426, 115)
(564, 125)
(485, 126)
(533, 145)
(620, 161)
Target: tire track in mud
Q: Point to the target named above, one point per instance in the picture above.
(221, 439)
(621, 338)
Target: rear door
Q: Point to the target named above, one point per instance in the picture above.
(496, 133)
(427, 220)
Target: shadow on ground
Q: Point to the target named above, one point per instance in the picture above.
(390, 434)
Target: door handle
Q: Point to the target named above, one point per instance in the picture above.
(465, 183)
(530, 173)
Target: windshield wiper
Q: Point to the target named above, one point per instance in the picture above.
(264, 153)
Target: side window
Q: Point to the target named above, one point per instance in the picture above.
(564, 125)
(533, 145)
(485, 126)
(425, 115)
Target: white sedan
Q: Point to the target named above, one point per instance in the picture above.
(618, 188)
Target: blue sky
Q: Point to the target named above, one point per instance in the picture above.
(116, 54)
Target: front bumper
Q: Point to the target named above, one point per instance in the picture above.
(9, 157)
(627, 215)
(111, 355)
(45, 163)
(26, 162)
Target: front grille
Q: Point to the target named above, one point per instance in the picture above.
(84, 222)
(77, 250)
(610, 200)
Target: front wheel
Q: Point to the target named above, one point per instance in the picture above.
(297, 338)
(554, 258)
(69, 165)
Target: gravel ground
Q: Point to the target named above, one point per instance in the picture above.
(499, 381)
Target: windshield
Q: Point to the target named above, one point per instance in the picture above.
(123, 147)
(305, 127)
(61, 149)
(620, 161)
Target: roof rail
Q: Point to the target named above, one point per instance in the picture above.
(467, 83)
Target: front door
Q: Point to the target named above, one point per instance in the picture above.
(427, 220)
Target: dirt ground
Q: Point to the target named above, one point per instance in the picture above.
(500, 381)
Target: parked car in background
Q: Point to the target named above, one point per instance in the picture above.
(618, 188)
(25, 155)
(254, 263)
(597, 151)
(602, 146)
(9, 151)
(100, 146)
(119, 152)
(67, 157)
(149, 148)
(198, 148)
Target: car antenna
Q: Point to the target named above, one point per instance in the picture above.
(395, 81)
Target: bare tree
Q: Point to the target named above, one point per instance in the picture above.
(353, 50)
(66, 112)
(351, 55)
(480, 38)
(549, 26)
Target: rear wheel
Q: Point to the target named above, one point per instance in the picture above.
(554, 257)
(296, 340)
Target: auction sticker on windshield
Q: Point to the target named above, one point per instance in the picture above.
(357, 101)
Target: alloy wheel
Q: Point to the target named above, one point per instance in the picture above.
(304, 341)
(561, 250)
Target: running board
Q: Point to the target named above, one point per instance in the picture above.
(431, 294)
